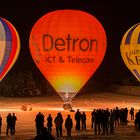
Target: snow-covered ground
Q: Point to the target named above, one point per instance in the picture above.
(25, 127)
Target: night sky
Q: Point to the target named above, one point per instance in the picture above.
(116, 16)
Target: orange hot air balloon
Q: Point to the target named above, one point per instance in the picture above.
(67, 46)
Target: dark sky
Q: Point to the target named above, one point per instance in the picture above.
(116, 16)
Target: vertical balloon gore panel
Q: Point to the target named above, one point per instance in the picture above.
(130, 50)
(67, 46)
(9, 46)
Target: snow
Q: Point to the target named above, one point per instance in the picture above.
(25, 127)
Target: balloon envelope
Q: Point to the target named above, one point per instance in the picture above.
(67, 47)
(9, 46)
(130, 50)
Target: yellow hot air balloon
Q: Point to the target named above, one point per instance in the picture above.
(130, 50)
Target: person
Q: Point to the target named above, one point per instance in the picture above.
(137, 120)
(77, 118)
(49, 123)
(44, 135)
(68, 125)
(93, 118)
(117, 116)
(125, 116)
(9, 123)
(58, 123)
(105, 119)
(83, 120)
(39, 123)
(0, 123)
(111, 121)
(13, 123)
(98, 119)
(132, 113)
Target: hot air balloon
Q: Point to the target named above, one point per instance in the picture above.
(9, 46)
(67, 46)
(130, 50)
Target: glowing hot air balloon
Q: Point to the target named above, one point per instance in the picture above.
(9, 46)
(67, 46)
(130, 50)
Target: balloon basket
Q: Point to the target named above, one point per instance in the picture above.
(67, 106)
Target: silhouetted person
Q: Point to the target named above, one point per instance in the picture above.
(13, 123)
(77, 118)
(121, 116)
(125, 115)
(83, 120)
(93, 118)
(117, 116)
(98, 120)
(68, 125)
(105, 119)
(58, 123)
(132, 113)
(111, 121)
(0, 123)
(39, 123)
(137, 120)
(49, 123)
(9, 124)
(45, 135)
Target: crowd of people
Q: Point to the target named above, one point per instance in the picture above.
(11, 123)
(107, 120)
(102, 122)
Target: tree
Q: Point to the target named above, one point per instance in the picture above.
(19, 84)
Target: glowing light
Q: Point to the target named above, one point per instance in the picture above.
(67, 46)
(66, 94)
(9, 46)
(9, 109)
(49, 108)
(130, 50)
